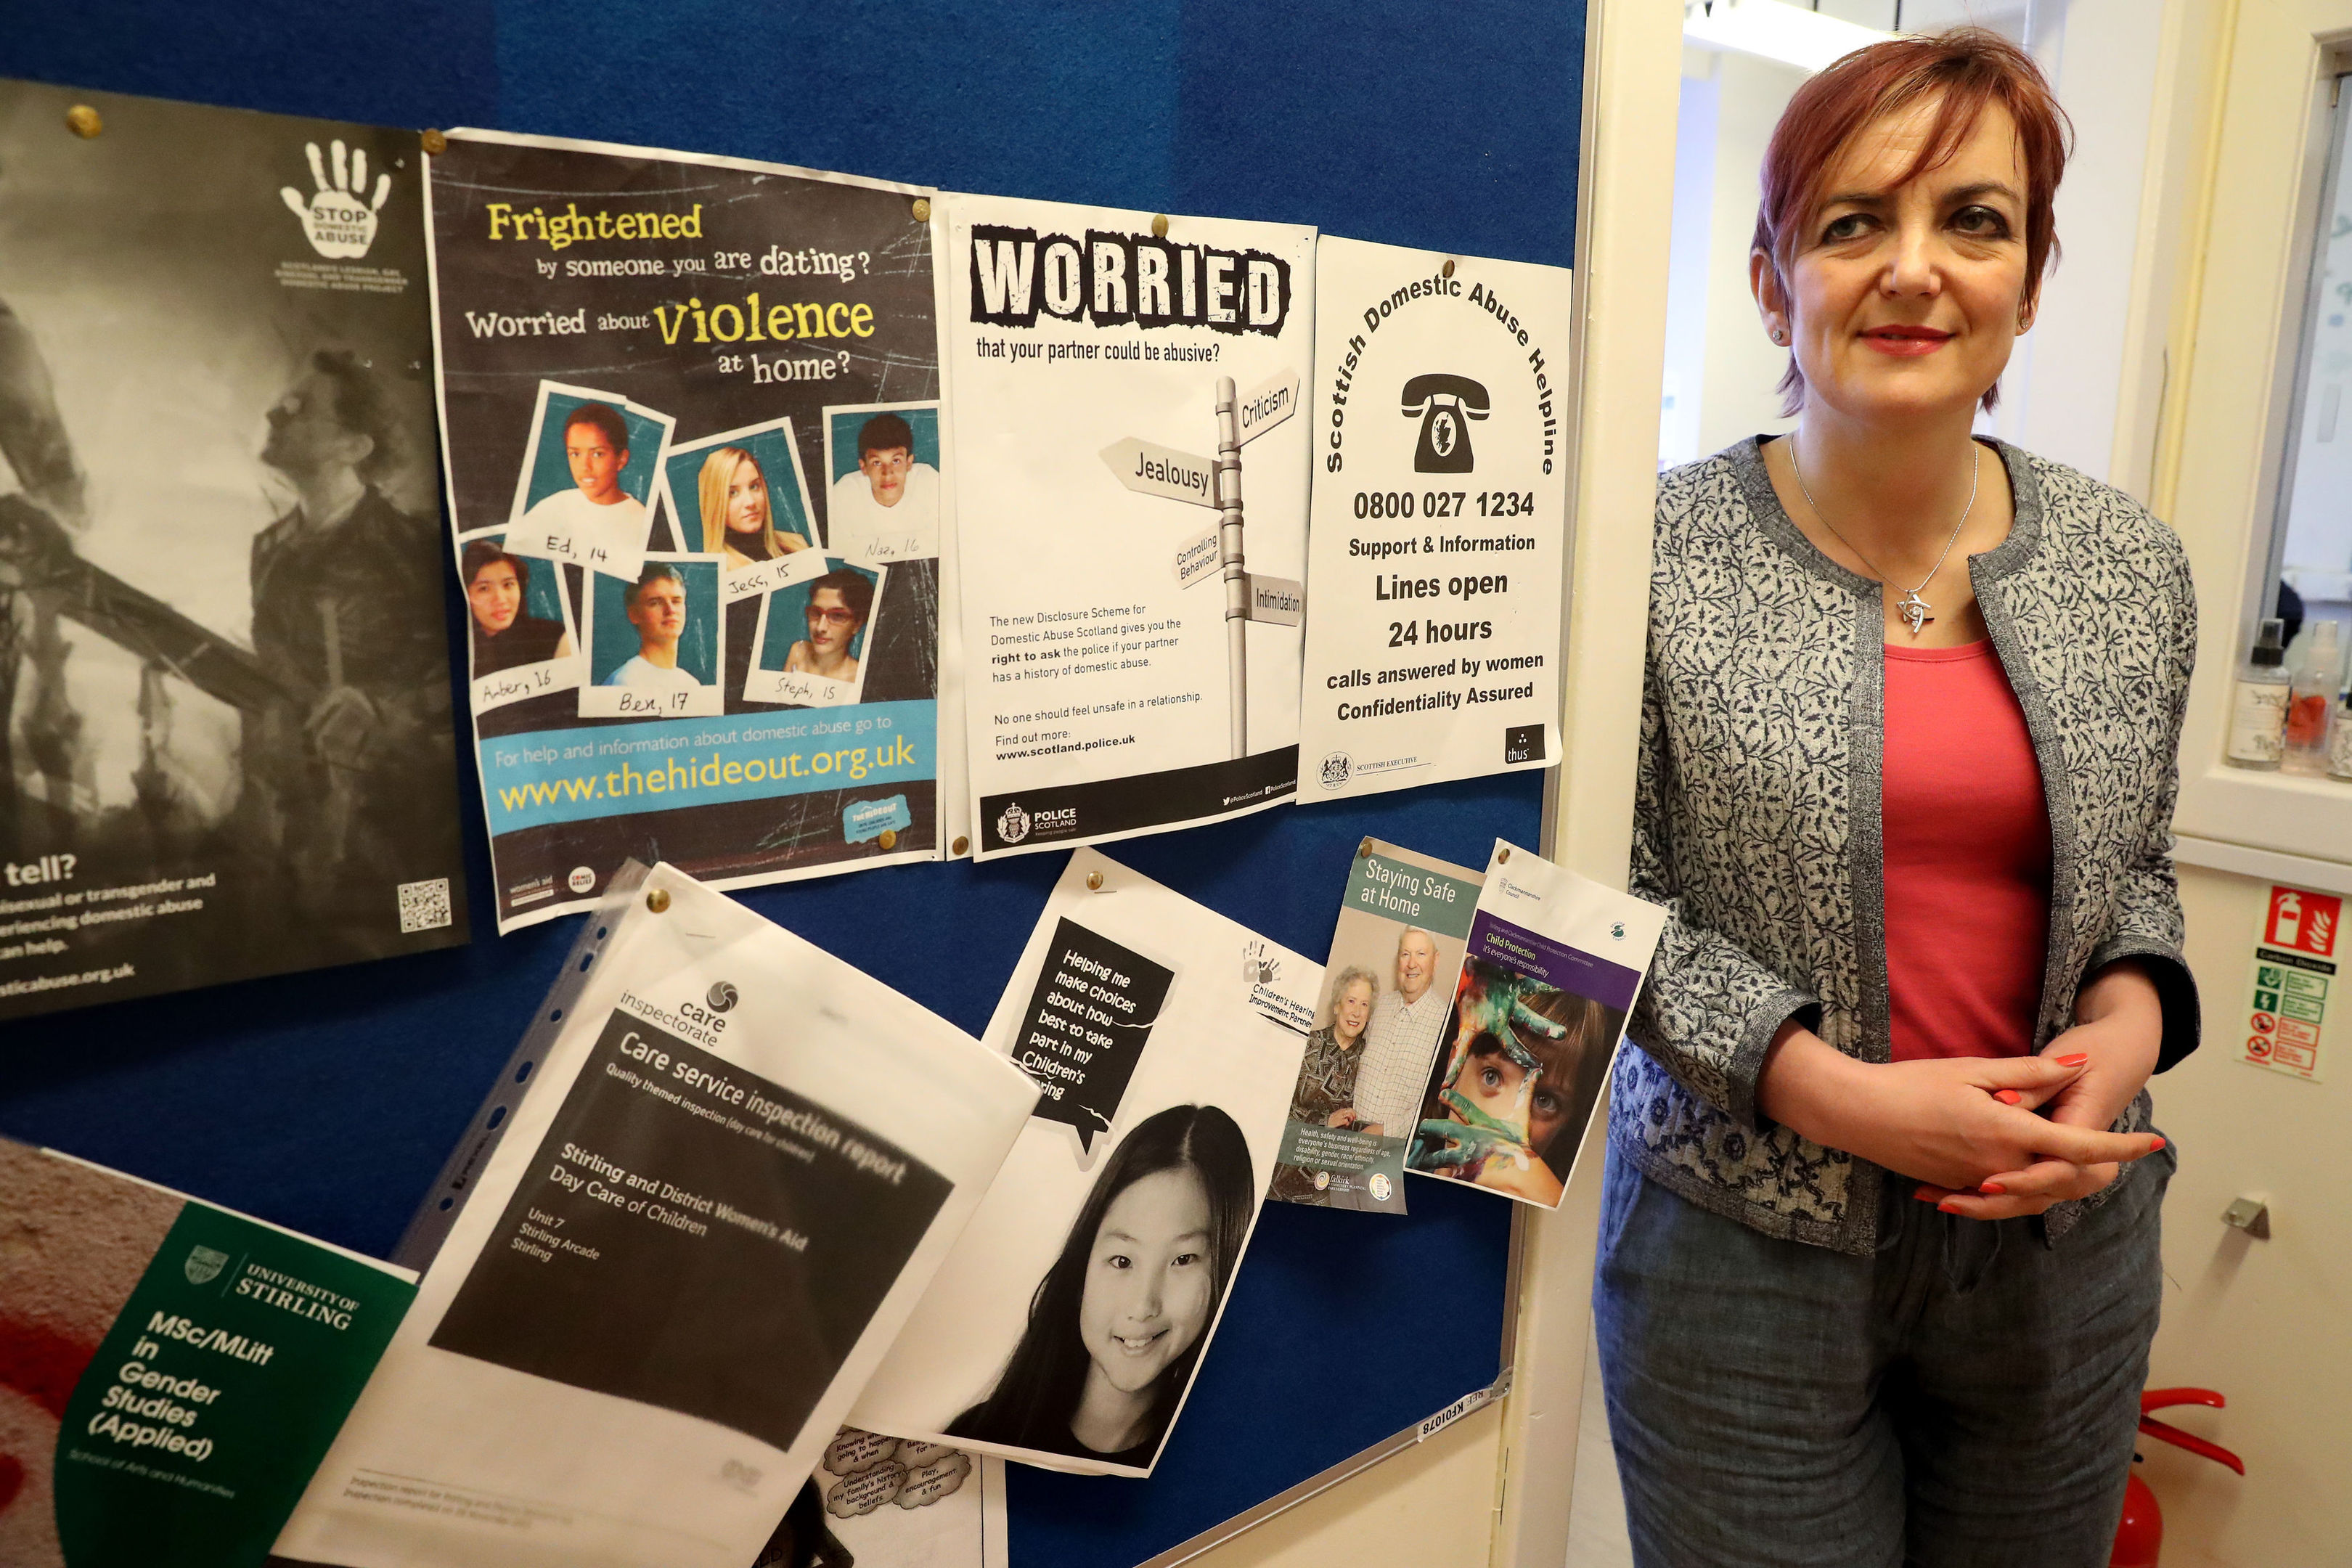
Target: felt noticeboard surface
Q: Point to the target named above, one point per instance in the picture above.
(327, 1101)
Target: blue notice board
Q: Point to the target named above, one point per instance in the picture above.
(328, 1102)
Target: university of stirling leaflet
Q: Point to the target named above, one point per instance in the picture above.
(170, 1372)
(732, 1175)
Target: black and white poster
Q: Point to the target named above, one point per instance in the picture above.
(732, 1175)
(1130, 507)
(691, 412)
(1066, 1327)
(225, 743)
(1441, 505)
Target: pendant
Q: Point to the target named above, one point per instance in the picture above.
(1914, 611)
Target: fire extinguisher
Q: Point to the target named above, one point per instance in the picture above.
(2141, 1534)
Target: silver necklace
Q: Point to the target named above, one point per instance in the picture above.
(1911, 606)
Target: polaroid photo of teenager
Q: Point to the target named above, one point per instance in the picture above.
(882, 463)
(587, 486)
(1065, 1328)
(740, 495)
(653, 641)
(518, 623)
(810, 651)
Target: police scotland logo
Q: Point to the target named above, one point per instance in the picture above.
(1012, 823)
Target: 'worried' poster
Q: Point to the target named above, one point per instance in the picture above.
(691, 409)
(1131, 511)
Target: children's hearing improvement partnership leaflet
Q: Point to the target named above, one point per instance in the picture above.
(730, 1179)
(1553, 964)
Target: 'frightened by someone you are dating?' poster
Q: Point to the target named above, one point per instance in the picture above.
(225, 746)
(691, 412)
(1130, 506)
(1440, 503)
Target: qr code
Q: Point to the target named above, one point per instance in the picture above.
(424, 906)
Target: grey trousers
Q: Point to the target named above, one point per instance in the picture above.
(1967, 1398)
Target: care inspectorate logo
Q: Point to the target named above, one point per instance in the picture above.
(1337, 768)
(1012, 823)
(339, 218)
(203, 1264)
(722, 996)
(1444, 405)
(1617, 930)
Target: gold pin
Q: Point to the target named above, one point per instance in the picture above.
(1160, 225)
(1447, 270)
(963, 845)
(1094, 881)
(84, 122)
(1501, 856)
(922, 209)
(1364, 850)
(889, 838)
(657, 899)
(436, 144)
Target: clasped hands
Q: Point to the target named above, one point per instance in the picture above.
(1985, 1137)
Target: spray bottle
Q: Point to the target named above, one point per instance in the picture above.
(2258, 704)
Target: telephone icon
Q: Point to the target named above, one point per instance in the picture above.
(1444, 405)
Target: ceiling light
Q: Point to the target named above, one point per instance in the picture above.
(1774, 30)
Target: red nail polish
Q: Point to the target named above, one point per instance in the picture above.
(2077, 1059)
(1924, 1193)
(1946, 1206)
(2159, 1143)
(1991, 1189)
(2008, 1096)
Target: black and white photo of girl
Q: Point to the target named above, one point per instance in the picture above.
(1115, 1326)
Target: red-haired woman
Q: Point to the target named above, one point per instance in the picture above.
(1878, 1262)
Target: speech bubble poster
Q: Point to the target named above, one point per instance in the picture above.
(1441, 509)
(1110, 1251)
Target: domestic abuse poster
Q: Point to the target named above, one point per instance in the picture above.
(1441, 499)
(691, 412)
(1131, 514)
(226, 740)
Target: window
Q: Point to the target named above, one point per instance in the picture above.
(2307, 577)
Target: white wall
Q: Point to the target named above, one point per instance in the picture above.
(2266, 1322)
(2065, 386)
(1741, 366)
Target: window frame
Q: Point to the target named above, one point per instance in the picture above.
(2247, 329)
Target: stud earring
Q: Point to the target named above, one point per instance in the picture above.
(1779, 336)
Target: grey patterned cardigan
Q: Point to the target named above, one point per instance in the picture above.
(1756, 822)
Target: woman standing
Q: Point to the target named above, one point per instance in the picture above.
(1878, 1261)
